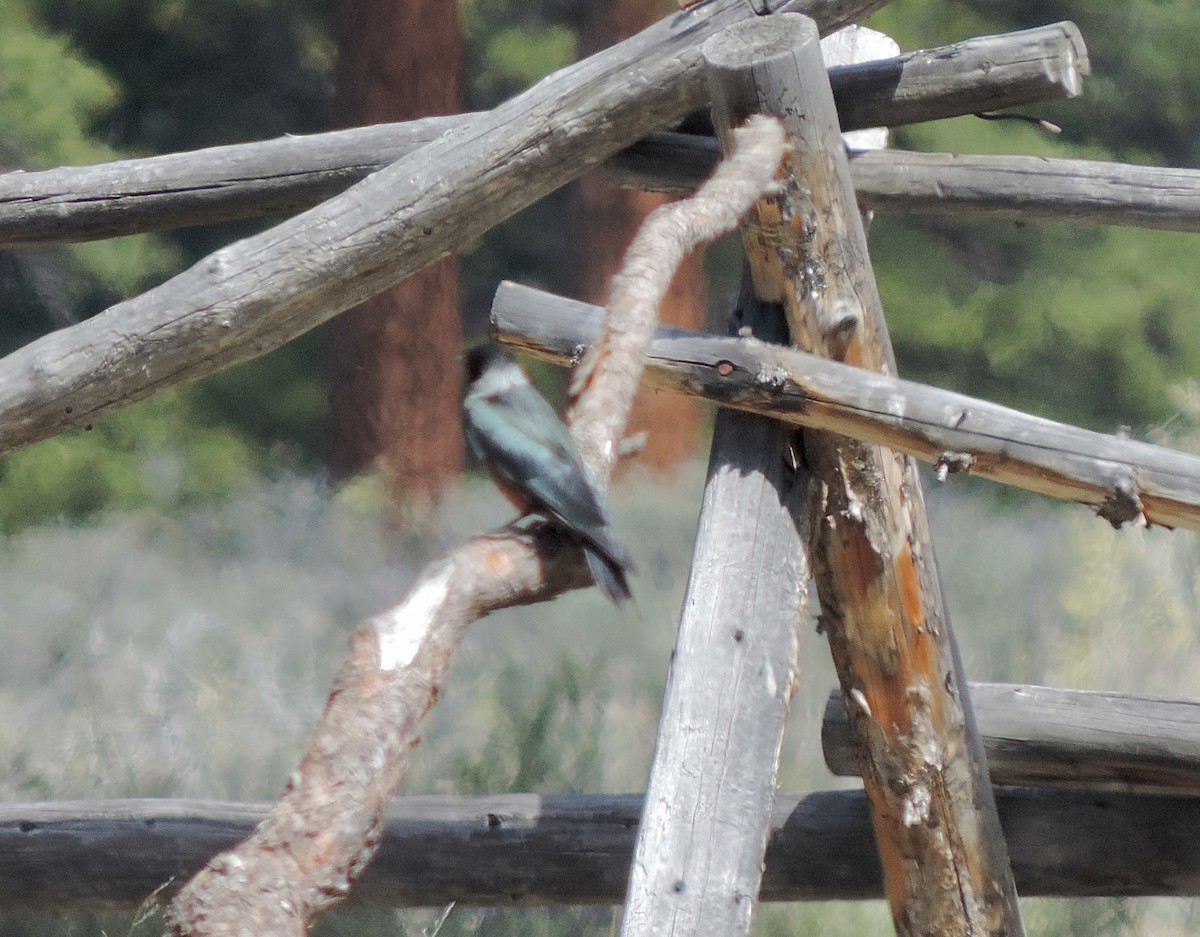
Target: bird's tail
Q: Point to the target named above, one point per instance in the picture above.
(609, 572)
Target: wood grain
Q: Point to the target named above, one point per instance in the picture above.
(699, 858)
(1071, 738)
(1122, 480)
(257, 294)
(520, 850)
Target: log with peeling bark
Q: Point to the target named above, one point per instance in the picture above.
(523, 850)
(294, 173)
(1071, 738)
(1123, 480)
(924, 771)
(259, 293)
(698, 863)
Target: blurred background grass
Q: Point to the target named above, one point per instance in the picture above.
(151, 655)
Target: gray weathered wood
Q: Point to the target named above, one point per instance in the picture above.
(1041, 735)
(253, 296)
(294, 173)
(872, 557)
(1122, 479)
(531, 849)
(1019, 188)
(698, 863)
(984, 74)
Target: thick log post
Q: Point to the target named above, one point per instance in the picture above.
(944, 859)
(698, 863)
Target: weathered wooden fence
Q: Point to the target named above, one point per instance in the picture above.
(843, 495)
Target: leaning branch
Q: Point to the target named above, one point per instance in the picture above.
(1122, 479)
(303, 856)
(294, 173)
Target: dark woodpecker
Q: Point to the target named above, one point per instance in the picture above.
(516, 434)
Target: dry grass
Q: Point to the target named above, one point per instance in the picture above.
(170, 657)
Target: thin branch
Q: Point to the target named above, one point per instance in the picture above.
(666, 237)
(302, 858)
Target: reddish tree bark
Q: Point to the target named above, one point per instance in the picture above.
(608, 219)
(395, 382)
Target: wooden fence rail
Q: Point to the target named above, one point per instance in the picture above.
(1041, 735)
(1122, 479)
(1017, 188)
(530, 849)
(295, 173)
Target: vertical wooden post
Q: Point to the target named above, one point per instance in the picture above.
(945, 862)
(698, 862)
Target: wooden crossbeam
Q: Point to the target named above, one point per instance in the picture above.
(1042, 735)
(1123, 480)
(1017, 188)
(259, 293)
(521, 850)
(294, 173)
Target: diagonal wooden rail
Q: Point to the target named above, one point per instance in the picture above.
(257, 294)
(698, 863)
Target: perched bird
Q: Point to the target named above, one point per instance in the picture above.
(517, 435)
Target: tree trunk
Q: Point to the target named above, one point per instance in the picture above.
(395, 384)
(606, 220)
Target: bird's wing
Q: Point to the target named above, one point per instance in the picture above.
(526, 444)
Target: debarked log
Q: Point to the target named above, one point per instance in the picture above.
(257, 294)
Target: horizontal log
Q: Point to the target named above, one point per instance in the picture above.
(1044, 736)
(1018, 188)
(1122, 479)
(294, 173)
(529, 849)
